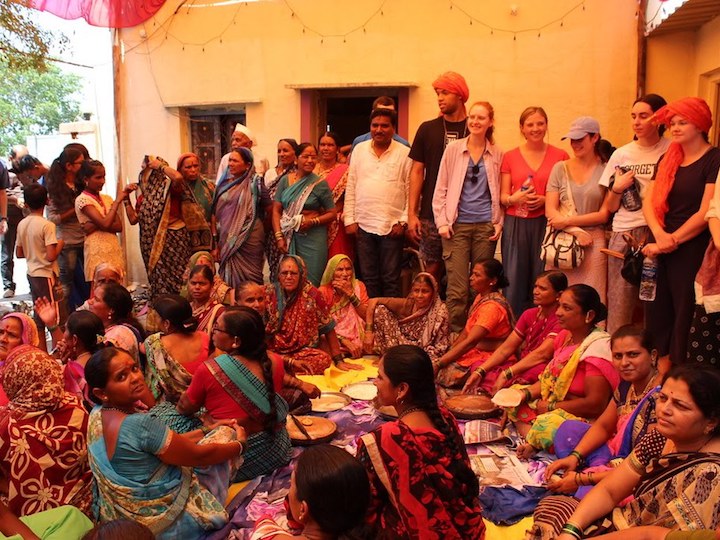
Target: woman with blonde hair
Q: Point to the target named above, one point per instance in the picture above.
(466, 205)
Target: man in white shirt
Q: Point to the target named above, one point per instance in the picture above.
(242, 137)
(376, 199)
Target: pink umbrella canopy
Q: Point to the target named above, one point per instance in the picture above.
(104, 13)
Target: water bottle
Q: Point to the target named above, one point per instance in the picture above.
(630, 198)
(648, 280)
(522, 209)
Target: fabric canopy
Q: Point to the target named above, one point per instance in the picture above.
(104, 13)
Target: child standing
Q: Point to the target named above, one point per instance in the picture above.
(37, 242)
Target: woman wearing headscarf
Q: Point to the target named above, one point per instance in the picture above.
(221, 292)
(297, 318)
(188, 165)
(240, 203)
(348, 301)
(675, 206)
(172, 225)
(15, 329)
(43, 447)
(420, 319)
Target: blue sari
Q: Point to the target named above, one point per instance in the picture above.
(309, 193)
(169, 500)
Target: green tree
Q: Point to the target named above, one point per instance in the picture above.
(34, 102)
(23, 44)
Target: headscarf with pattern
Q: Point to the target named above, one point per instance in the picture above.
(30, 335)
(32, 379)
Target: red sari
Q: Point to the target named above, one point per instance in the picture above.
(427, 500)
(339, 243)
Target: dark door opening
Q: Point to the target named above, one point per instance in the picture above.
(210, 134)
(349, 116)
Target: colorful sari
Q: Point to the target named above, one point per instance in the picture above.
(43, 449)
(30, 336)
(167, 379)
(563, 376)
(202, 188)
(207, 315)
(297, 320)
(349, 325)
(428, 328)
(339, 242)
(240, 229)
(635, 417)
(493, 313)
(678, 491)
(266, 450)
(169, 500)
(167, 240)
(308, 193)
(414, 486)
(220, 292)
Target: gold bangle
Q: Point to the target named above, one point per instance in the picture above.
(278, 234)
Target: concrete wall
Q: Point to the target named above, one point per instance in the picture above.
(585, 66)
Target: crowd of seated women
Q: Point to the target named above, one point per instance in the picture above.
(161, 418)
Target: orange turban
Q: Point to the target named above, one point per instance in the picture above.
(696, 111)
(453, 83)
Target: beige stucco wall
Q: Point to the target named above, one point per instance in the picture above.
(586, 66)
(685, 63)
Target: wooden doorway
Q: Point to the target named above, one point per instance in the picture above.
(210, 134)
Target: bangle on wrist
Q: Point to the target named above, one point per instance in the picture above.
(572, 530)
(52, 328)
(337, 358)
(577, 455)
(205, 430)
(354, 300)
(528, 395)
(508, 374)
(552, 405)
(616, 192)
(481, 371)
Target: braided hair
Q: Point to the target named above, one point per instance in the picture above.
(247, 326)
(412, 365)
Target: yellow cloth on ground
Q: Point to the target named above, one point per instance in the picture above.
(513, 532)
(234, 489)
(334, 379)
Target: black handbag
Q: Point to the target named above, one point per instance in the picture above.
(633, 261)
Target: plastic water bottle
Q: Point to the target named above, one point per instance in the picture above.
(522, 209)
(630, 198)
(648, 281)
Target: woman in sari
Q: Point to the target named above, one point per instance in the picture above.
(142, 469)
(489, 322)
(335, 174)
(188, 165)
(348, 301)
(600, 446)
(243, 385)
(172, 225)
(205, 308)
(114, 305)
(287, 156)
(173, 355)
(421, 482)
(297, 318)
(532, 336)
(15, 329)
(673, 474)
(420, 319)
(83, 336)
(580, 379)
(43, 450)
(240, 203)
(302, 210)
(220, 292)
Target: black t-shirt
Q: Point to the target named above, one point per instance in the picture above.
(428, 146)
(686, 194)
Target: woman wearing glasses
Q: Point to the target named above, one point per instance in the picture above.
(466, 205)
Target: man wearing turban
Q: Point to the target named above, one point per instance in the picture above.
(427, 149)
